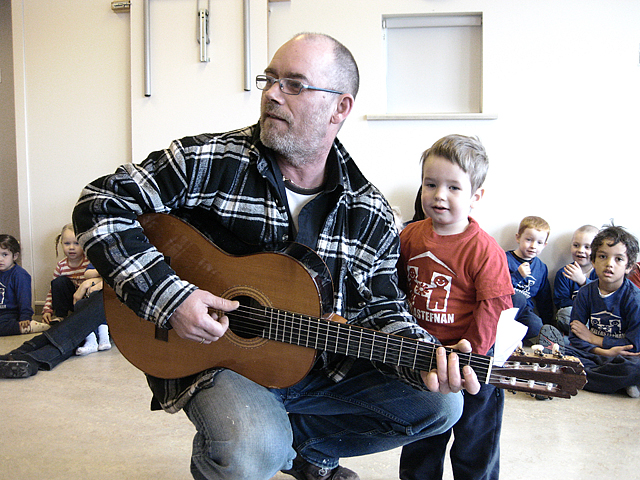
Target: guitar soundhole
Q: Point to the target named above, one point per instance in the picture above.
(245, 321)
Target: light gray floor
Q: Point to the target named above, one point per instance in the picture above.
(89, 419)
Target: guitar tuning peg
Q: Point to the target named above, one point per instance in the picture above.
(538, 349)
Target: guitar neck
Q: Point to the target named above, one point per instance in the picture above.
(345, 339)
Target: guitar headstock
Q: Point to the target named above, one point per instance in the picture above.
(549, 375)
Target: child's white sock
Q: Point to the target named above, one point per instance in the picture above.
(103, 338)
(90, 345)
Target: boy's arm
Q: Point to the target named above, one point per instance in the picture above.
(482, 331)
(622, 347)
(23, 295)
(580, 314)
(562, 290)
(584, 339)
(630, 313)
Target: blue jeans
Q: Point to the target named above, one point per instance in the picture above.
(245, 431)
(58, 343)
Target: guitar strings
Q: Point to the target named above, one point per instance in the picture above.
(288, 324)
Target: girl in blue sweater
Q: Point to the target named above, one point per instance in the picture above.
(15, 292)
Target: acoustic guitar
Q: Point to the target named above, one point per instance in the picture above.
(284, 319)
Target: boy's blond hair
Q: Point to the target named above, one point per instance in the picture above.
(68, 226)
(587, 229)
(537, 223)
(465, 152)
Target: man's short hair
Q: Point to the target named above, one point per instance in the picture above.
(345, 77)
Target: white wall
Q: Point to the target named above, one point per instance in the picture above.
(72, 114)
(563, 78)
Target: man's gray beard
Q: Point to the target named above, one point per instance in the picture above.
(297, 151)
(294, 149)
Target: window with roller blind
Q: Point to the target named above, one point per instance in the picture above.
(433, 63)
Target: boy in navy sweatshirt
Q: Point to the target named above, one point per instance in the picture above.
(529, 275)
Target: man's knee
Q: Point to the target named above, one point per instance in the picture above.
(444, 410)
(242, 430)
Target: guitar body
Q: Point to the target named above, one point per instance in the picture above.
(271, 278)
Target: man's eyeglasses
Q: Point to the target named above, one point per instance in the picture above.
(288, 85)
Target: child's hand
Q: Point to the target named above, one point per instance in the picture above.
(524, 269)
(622, 350)
(574, 272)
(581, 331)
(46, 317)
(86, 288)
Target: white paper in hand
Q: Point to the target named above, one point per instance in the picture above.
(509, 334)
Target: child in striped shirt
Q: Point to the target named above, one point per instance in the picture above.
(67, 276)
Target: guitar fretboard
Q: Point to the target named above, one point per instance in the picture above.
(345, 339)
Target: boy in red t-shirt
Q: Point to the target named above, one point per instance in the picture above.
(457, 281)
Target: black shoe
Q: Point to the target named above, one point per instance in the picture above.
(303, 470)
(16, 369)
(550, 335)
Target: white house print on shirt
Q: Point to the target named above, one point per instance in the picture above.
(606, 324)
(3, 289)
(429, 297)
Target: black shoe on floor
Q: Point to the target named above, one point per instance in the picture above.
(550, 336)
(303, 470)
(16, 369)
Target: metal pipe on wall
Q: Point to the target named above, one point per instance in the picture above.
(247, 46)
(147, 49)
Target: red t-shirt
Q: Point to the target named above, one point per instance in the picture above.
(457, 285)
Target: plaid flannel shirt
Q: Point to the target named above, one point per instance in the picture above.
(227, 177)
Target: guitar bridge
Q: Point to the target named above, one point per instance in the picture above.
(161, 334)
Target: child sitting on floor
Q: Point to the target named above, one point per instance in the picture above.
(15, 292)
(529, 275)
(67, 276)
(605, 320)
(571, 277)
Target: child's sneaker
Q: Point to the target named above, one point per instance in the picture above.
(550, 336)
(37, 327)
(633, 391)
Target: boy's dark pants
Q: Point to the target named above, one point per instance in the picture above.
(526, 315)
(607, 374)
(475, 453)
